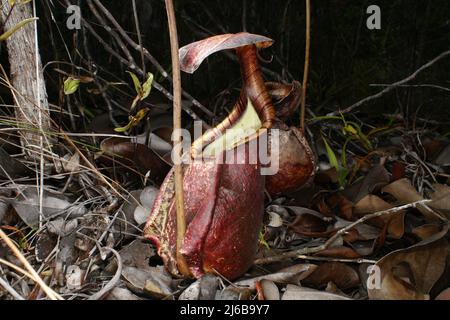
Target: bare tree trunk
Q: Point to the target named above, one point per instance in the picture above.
(29, 91)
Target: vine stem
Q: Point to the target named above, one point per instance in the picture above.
(306, 67)
(179, 197)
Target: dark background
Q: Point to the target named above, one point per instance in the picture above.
(346, 57)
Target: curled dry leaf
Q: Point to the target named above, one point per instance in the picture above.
(293, 275)
(376, 178)
(119, 293)
(134, 156)
(153, 281)
(409, 274)
(11, 167)
(341, 252)
(301, 293)
(204, 288)
(27, 206)
(371, 204)
(147, 198)
(405, 193)
(309, 225)
(136, 255)
(342, 275)
(267, 290)
(427, 230)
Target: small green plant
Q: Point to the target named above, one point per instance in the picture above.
(341, 169)
(142, 90)
(71, 85)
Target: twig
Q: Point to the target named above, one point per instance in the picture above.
(144, 51)
(328, 259)
(48, 291)
(340, 232)
(179, 198)
(306, 67)
(132, 66)
(138, 31)
(10, 289)
(433, 86)
(392, 86)
(13, 266)
(114, 281)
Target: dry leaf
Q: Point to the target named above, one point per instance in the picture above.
(371, 204)
(411, 273)
(405, 193)
(300, 293)
(342, 275)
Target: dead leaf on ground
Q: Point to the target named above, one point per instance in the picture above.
(409, 274)
(341, 274)
(405, 193)
(341, 252)
(293, 274)
(27, 206)
(121, 294)
(267, 290)
(441, 199)
(301, 293)
(375, 179)
(204, 288)
(371, 204)
(155, 282)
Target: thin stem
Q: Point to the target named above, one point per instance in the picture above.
(138, 31)
(179, 197)
(306, 67)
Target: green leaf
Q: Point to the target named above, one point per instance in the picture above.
(137, 83)
(245, 126)
(147, 86)
(11, 31)
(71, 85)
(133, 120)
(123, 129)
(331, 155)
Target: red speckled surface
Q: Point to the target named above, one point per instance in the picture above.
(224, 206)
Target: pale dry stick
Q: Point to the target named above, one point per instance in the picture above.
(48, 291)
(11, 290)
(115, 279)
(392, 86)
(306, 67)
(40, 187)
(340, 232)
(17, 268)
(138, 31)
(176, 75)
